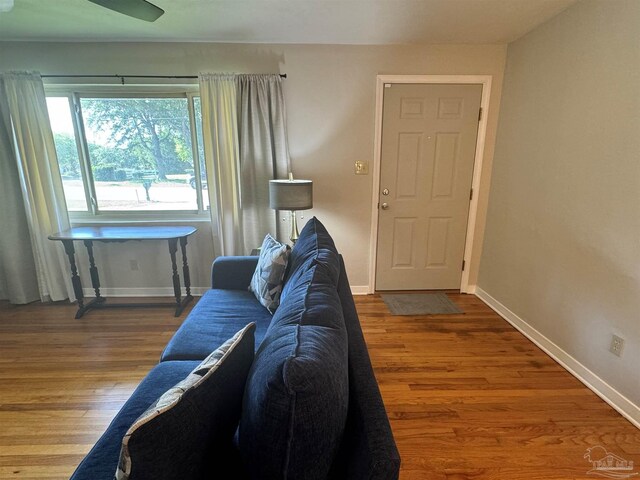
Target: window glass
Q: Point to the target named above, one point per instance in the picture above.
(197, 108)
(67, 151)
(140, 153)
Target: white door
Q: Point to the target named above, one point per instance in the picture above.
(428, 149)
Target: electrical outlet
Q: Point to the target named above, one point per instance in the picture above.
(133, 264)
(616, 345)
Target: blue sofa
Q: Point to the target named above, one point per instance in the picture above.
(339, 429)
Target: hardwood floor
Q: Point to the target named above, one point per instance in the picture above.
(467, 395)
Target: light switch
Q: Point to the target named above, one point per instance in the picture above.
(361, 168)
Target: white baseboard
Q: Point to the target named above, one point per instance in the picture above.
(168, 291)
(360, 289)
(142, 292)
(617, 400)
(364, 290)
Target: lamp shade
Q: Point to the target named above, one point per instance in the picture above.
(290, 194)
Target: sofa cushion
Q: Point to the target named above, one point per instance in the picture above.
(101, 462)
(267, 279)
(296, 398)
(181, 434)
(315, 246)
(216, 317)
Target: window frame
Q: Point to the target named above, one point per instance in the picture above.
(93, 214)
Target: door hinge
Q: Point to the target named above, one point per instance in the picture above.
(471, 194)
(463, 264)
(480, 114)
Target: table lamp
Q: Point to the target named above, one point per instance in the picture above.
(291, 195)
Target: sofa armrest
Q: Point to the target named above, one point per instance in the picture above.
(368, 451)
(233, 273)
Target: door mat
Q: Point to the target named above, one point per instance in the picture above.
(420, 304)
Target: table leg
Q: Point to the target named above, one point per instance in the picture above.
(173, 248)
(185, 266)
(93, 270)
(75, 279)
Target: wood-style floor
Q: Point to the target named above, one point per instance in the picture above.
(467, 395)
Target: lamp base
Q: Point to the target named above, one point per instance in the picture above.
(294, 234)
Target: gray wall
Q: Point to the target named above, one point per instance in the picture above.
(330, 95)
(562, 242)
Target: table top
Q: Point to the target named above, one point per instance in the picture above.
(118, 234)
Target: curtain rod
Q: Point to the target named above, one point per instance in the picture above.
(122, 77)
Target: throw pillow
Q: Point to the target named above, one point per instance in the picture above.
(180, 435)
(267, 279)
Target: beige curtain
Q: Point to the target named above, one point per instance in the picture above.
(18, 278)
(219, 126)
(264, 152)
(44, 205)
(245, 145)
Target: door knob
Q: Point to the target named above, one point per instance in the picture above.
(384, 206)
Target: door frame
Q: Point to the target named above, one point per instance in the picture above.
(485, 81)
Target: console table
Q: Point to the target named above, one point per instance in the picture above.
(88, 235)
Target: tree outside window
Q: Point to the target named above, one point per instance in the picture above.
(129, 153)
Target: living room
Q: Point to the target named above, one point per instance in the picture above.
(554, 248)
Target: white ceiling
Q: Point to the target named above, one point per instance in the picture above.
(285, 21)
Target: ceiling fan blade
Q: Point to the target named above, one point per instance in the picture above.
(134, 8)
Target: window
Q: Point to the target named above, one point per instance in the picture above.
(129, 155)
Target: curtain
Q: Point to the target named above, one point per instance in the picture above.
(245, 143)
(18, 278)
(35, 155)
(264, 151)
(220, 138)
